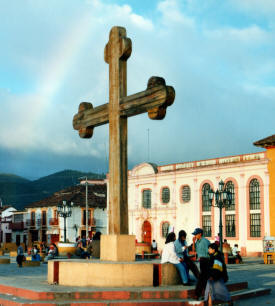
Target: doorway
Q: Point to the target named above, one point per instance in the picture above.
(146, 232)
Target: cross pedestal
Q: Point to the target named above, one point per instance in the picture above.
(117, 247)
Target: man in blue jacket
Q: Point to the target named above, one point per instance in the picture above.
(201, 246)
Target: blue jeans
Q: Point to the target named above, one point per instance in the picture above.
(183, 272)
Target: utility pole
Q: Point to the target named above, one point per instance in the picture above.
(87, 229)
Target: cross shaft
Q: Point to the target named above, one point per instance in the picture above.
(154, 100)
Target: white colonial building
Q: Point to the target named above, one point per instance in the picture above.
(174, 197)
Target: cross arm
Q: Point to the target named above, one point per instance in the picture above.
(154, 100)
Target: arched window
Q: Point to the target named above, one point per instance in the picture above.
(146, 198)
(254, 194)
(165, 229)
(205, 197)
(185, 194)
(230, 186)
(165, 195)
(255, 206)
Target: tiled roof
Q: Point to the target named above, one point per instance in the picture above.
(3, 208)
(266, 142)
(97, 197)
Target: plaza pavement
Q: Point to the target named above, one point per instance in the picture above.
(254, 271)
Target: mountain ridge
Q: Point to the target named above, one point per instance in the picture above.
(18, 191)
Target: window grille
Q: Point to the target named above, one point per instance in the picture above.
(206, 226)
(205, 198)
(230, 187)
(255, 225)
(254, 194)
(165, 229)
(230, 228)
(146, 198)
(165, 195)
(185, 194)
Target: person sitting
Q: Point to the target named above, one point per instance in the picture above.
(236, 253)
(169, 255)
(154, 246)
(95, 245)
(217, 277)
(182, 252)
(84, 242)
(35, 254)
(52, 253)
(80, 252)
(55, 250)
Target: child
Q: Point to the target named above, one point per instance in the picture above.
(215, 288)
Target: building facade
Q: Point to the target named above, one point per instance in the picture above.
(174, 197)
(6, 213)
(40, 221)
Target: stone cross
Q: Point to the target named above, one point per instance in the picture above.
(154, 100)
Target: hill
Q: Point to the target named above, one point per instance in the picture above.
(18, 191)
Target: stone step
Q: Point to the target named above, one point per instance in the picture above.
(10, 300)
(175, 292)
(249, 293)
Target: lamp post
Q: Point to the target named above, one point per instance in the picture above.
(64, 210)
(223, 198)
(86, 206)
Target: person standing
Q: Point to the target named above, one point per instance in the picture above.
(182, 252)
(201, 246)
(169, 255)
(217, 277)
(20, 255)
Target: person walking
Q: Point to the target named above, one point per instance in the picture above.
(169, 255)
(201, 246)
(181, 248)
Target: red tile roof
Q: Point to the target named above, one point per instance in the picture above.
(97, 197)
(266, 142)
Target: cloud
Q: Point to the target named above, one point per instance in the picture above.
(252, 35)
(265, 7)
(223, 74)
(171, 13)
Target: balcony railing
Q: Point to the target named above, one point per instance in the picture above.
(53, 221)
(91, 222)
(19, 226)
(30, 222)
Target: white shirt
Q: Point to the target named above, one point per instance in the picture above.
(169, 254)
(235, 251)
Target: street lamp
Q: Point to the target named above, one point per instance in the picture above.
(86, 206)
(223, 198)
(64, 210)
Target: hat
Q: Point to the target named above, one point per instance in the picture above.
(197, 231)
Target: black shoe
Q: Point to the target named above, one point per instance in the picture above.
(187, 284)
(198, 298)
(191, 281)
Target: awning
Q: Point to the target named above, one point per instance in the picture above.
(52, 231)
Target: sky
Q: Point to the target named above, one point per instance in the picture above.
(218, 56)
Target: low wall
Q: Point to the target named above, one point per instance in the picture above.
(142, 247)
(96, 273)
